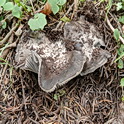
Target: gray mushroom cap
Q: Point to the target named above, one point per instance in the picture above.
(90, 41)
(49, 83)
(54, 63)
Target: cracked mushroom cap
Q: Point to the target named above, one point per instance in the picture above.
(49, 81)
(57, 62)
(89, 40)
(52, 61)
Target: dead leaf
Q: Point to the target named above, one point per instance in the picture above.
(47, 9)
(6, 81)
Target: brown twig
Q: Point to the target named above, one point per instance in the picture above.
(32, 6)
(112, 28)
(75, 8)
(5, 68)
(8, 35)
(7, 49)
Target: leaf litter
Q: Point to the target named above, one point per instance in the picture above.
(92, 99)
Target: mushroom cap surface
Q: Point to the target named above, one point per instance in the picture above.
(57, 62)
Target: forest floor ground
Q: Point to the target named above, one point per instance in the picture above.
(91, 99)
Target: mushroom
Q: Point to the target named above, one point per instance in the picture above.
(86, 34)
(79, 51)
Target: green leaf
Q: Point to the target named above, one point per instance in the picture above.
(2, 2)
(8, 6)
(121, 49)
(55, 4)
(1, 18)
(17, 1)
(44, 1)
(17, 11)
(122, 98)
(65, 19)
(28, 8)
(121, 19)
(2, 59)
(119, 6)
(4, 24)
(3, 63)
(120, 64)
(116, 34)
(61, 2)
(55, 97)
(38, 22)
(55, 9)
(62, 92)
(122, 82)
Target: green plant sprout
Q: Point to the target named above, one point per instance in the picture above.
(65, 19)
(122, 85)
(9, 6)
(120, 7)
(116, 34)
(18, 8)
(39, 20)
(120, 52)
(59, 94)
(55, 4)
(121, 19)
